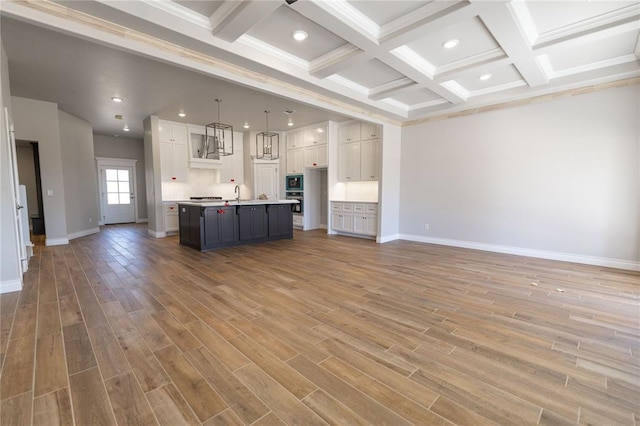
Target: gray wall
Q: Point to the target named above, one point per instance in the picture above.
(38, 121)
(9, 258)
(126, 148)
(560, 176)
(27, 174)
(81, 195)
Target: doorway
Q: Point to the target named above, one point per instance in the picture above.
(117, 188)
(316, 199)
(28, 159)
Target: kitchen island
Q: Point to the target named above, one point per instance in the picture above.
(212, 225)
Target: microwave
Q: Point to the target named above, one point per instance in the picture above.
(294, 183)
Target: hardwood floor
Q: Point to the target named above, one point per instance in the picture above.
(121, 328)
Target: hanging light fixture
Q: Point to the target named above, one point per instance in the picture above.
(267, 143)
(218, 138)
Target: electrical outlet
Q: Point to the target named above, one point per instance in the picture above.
(90, 220)
(426, 226)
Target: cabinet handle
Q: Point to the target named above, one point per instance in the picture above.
(173, 178)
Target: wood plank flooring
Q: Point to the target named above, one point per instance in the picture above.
(120, 328)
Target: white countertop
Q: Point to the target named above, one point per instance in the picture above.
(235, 203)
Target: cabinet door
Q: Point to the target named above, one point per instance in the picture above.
(244, 223)
(211, 227)
(370, 160)
(349, 133)
(295, 161)
(368, 131)
(266, 180)
(371, 225)
(252, 222)
(349, 162)
(294, 140)
(166, 162)
(359, 224)
(228, 225)
(179, 134)
(315, 137)
(232, 170)
(166, 131)
(337, 221)
(179, 161)
(280, 220)
(315, 156)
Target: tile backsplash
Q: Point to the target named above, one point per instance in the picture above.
(201, 183)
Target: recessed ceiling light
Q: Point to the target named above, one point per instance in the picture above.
(116, 99)
(320, 130)
(450, 44)
(290, 123)
(182, 114)
(126, 128)
(246, 125)
(485, 77)
(300, 35)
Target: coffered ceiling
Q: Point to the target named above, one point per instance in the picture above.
(383, 59)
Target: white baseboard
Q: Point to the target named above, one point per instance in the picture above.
(156, 234)
(10, 285)
(387, 238)
(542, 254)
(142, 220)
(84, 233)
(56, 241)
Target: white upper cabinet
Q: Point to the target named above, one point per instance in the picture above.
(172, 132)
(368, 131)
(357, 131)
(349, 162)
(295, 161)
(294, 140)
(232, 170)
(316, 156)
(314, 137)
(349, 132)
(173, 151)
(370, 160)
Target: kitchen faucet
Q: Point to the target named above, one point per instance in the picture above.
(237, 189)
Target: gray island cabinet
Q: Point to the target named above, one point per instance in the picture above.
(212, 225)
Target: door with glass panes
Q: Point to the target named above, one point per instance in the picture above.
(117, 194)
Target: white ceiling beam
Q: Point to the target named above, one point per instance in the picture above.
(337, 60)
(386, 90)
(500, 19)
(234, 18)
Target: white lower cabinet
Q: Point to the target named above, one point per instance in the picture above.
(354, 218)
(170, 216)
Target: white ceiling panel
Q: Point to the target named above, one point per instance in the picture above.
(377, 73)
(384, 11)
(506, 75)
(552, 15)
(473, 36)
(595, 51)
(277, 30)
(203, 7)
(415, 97)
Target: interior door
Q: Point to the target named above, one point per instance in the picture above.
(117, 194)
(15, 192)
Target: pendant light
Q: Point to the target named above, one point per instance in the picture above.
(218, 138)
(267, 143)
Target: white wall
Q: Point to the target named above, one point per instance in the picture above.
(78, 162)
(126, 148)
(38, 121)
(557, 179)
(10, 279)
(152, 179)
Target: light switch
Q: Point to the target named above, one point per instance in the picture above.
(49, 192)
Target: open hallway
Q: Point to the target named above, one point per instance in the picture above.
(121, 328)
